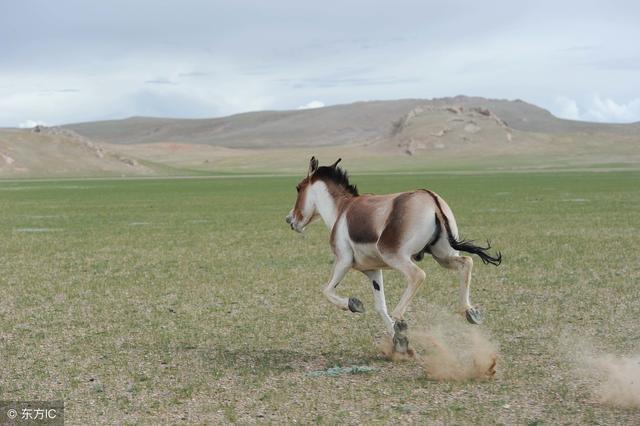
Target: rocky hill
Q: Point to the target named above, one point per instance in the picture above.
(414, 134)
(54, 151)
(338, 125)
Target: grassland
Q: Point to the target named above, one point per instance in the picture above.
(190, 300)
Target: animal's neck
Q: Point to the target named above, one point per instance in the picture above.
(327, 204)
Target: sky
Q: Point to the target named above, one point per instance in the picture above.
(69, 61)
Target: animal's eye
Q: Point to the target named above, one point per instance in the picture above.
(298, 188)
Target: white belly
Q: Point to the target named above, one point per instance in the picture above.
(367, 257)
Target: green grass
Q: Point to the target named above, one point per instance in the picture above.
(168, 301)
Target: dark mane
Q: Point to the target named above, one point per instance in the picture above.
(337, 176)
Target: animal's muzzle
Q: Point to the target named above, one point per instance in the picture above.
(289, 220)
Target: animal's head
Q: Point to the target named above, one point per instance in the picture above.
(305, 209)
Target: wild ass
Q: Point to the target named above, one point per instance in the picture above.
(374, 232)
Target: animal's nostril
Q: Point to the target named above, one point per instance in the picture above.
(288, 219)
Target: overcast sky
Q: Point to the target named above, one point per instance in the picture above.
(67, 61)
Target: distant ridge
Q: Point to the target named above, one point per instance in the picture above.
(327, 126)
(416, 134)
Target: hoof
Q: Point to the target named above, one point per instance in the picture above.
(400, 344)
(400, 327)
(355, 305)
(400, 339)
(473, 316)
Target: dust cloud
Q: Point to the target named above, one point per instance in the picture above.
(612, 380)
(618, 380)
(449, 350)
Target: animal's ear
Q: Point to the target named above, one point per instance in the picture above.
(313, 166)
(336, 163)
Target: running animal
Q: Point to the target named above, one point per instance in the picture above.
(374, 232)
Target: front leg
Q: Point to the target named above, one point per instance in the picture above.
(377, 285)
(340, 268)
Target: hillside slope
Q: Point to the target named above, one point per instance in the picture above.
(44, 152)
(336, 125)
(329, 126)
(460, 133)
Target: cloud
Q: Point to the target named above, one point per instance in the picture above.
(347, 82)
(567, 108)
(626, 63)
(606, 109)
(193, 74)
(53, 92)
(160, 81)
(312, 104)
(173, 104)
(599, 109)
(29, 124)
(578, 48)
(286, 53)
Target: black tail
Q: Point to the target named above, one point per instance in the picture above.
(469, 247)
(462, 245)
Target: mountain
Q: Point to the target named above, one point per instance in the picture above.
(336, 125)
(43, 152)
(328, 126)
(411, 134)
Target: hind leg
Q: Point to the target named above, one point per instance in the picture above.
(463, 265)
